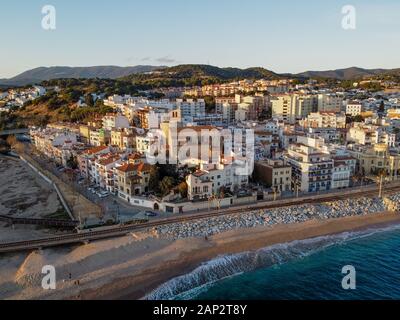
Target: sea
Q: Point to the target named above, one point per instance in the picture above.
(300, 270)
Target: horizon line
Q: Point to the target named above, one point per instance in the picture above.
(194, 64)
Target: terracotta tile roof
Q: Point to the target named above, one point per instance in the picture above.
(95, 150)
(135, 156)
(141, 167)
(199, 173)
(107, 161)
(130, 167)
(127, 167)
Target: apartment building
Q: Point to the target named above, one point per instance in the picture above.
(329, 102)
(324, 120)
(150, 118)
(291, 107)
(341, 174)
(354, 108)
(103, 171)
(143, 143)
(370, 135)
(251, 106)
(275, 174)
(191, 107)
(273, 127)
(311, 169)
(115, 121)
(220, 101)
(99, 137)
(228, 111)
(332, 135)
(123, 140)
(87, 158)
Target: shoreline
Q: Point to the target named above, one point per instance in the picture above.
(197, 251)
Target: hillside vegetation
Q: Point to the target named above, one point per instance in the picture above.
(195, 75)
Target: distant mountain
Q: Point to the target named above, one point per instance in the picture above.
(198, 74)
(344, 74)
(193, 70)
(189, 74)
(48, 73)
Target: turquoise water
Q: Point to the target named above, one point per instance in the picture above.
(300, 270)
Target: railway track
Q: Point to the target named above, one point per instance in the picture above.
(111, 232)
(70, 224)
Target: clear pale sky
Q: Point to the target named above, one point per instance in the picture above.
(284, 35)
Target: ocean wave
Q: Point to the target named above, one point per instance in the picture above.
(190, 285)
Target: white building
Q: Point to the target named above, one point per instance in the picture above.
(115, 121)
(324, 120)
(354, 108)
(191, 107)
(329, 102)
(341, 175)
(370, 135)
(211, 179)
(291, 107)
(311, 169)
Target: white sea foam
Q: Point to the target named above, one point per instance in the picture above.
(206, 275)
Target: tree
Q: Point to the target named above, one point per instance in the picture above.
(221, 192)
(4, 147)
(89, 100)
(210, 103)
(183, 189)
(381, 107)
(167, 185)
(358, 118)
(73, 95)
(154, 181)
(11, 141)
(72, 163)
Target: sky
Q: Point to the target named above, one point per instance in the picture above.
(283, 36)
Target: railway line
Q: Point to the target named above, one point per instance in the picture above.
(67, 224)
(116, 231)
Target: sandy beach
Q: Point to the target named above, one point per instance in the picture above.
(24, 194)
(233, 242)
(133, 266)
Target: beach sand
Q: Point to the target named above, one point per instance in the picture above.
(24, 194)
(131, 267)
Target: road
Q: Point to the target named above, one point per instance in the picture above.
(113, 208)
(117, 231)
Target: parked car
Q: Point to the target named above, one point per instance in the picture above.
(150, 214)
(102, 194)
